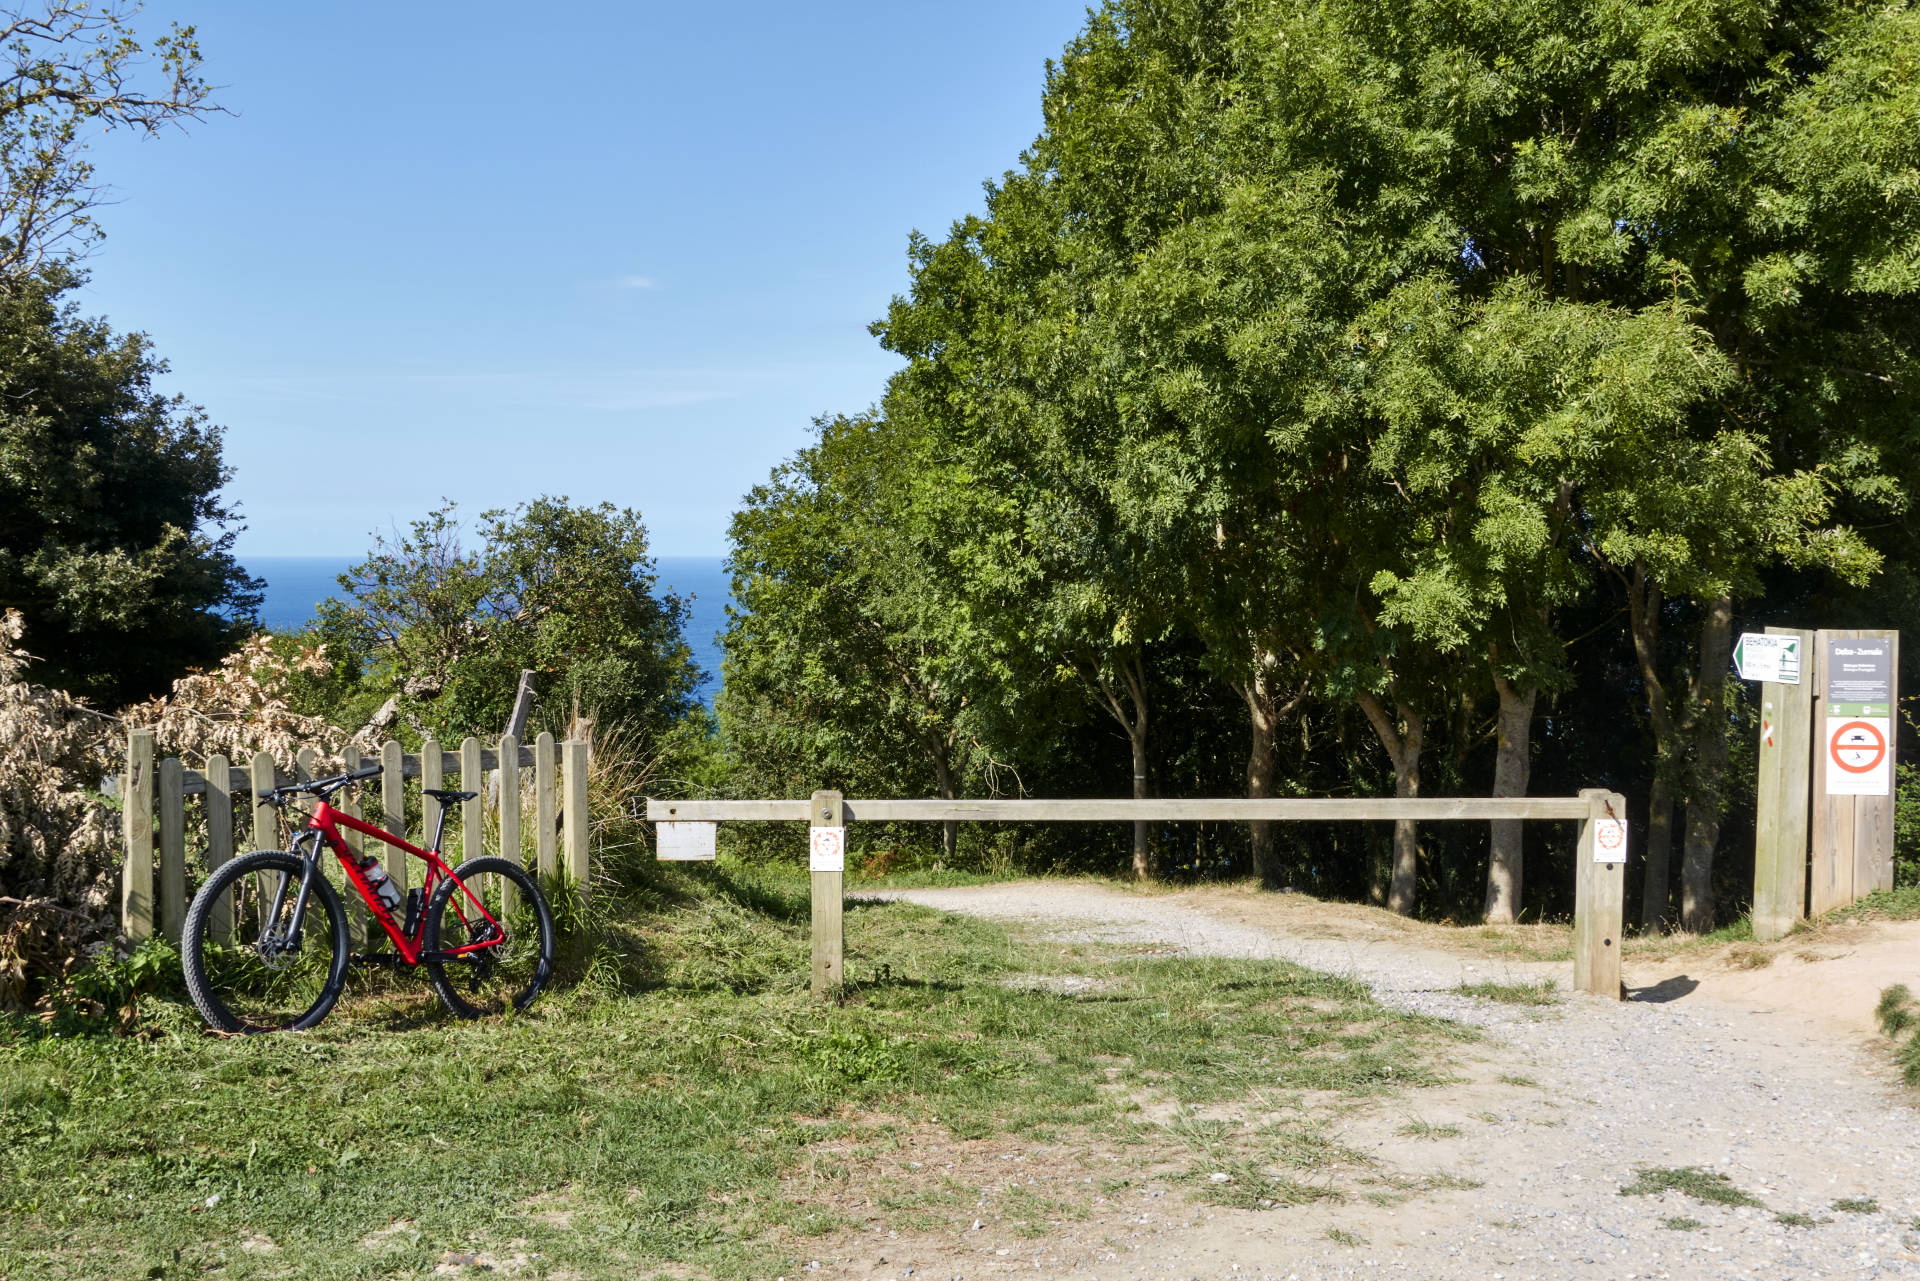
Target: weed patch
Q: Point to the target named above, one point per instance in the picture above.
(1541, 993)
(1702, 1185)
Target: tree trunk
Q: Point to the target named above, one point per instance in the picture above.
(1142, 856)
(949, 830)
(1130, 709)
(1403, 742)
(1654, 893)
(1643, 625)
(1264, 714)
(1512, 763)
(1708, 762)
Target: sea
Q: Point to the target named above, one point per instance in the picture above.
(297, 584)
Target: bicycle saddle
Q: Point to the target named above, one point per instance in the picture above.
(446, 796)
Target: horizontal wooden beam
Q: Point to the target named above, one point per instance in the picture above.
(196, 782)
(1226, 809)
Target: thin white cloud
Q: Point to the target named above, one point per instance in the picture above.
(633, 282)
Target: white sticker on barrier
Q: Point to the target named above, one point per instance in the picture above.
(1610, 840)
(685, 842)
(827, 849)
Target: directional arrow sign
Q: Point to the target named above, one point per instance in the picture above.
(1761, 657)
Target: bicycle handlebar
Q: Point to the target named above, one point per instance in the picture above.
(320, 786)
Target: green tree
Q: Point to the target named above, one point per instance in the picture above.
(114, 544)
(441, 632)
(845, 660)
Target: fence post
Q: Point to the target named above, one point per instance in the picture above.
(393, 809)
(432, 774)
(573, 810)
(508, 777)
(173, 846)
(826, 860)
(136, 819)
(266, 822)
(1599, 899)
(219, 839)
(473, 813)
(346, 800)
(546, 817)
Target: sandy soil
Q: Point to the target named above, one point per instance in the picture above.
(1761, 1064)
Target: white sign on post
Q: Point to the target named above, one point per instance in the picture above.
(1760, 657)
(1859, 755)
(685, 842)
(1610, 840)
(827, 849)
(1859, 717)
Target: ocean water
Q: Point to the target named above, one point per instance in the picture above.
(297, 584)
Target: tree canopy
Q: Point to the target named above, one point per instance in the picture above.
(1372, 348)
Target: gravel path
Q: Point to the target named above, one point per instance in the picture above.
(1796, 1122)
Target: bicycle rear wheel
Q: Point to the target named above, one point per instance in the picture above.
(248, 968)
(517, 957)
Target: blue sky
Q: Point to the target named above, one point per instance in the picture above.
(467, 250)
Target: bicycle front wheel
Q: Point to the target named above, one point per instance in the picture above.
(251, 966)
(511, 946)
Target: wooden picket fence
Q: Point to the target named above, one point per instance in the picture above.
(156, 810)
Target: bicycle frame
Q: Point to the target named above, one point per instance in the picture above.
(328, 821)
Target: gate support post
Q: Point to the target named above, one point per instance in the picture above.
(829, 886)
(1599, 899)
(136, 820)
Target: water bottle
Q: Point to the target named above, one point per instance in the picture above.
(380, 883)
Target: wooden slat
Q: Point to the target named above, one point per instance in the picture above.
(347, 801)
(432, 775)
(393, 809)
(195, 783)
(266, 820)
(136, 819)
(573, 812)
(473, 813)
(171, 805)
(303, 763)
(510, 814)
(1166, 810)
(219, 841)
(546, 806)
(827, 809)
(1785, 791)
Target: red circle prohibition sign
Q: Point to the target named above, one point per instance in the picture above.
(1868, 738)
(1612, 836)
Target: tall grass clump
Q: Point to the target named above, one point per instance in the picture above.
(1899, 1017)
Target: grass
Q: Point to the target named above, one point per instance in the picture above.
(1681, 1223)
(1418, 1129)
(1857, 1205)
(1788, 1219)
(1541, 993)
(683, 1104)
(1899, 1017)
(1340, 1236)
(1702, 1185)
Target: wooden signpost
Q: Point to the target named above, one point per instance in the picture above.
(1827, 733)
(1786, 771)
(1856, 688)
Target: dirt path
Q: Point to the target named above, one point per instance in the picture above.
(1768, 1076)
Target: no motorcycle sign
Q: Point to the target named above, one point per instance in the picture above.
(1859, 717)
(1857, 756)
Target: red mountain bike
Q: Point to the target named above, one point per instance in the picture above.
(259, 958)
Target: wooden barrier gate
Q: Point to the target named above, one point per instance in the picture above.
(151, 791)
(1599, 880)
